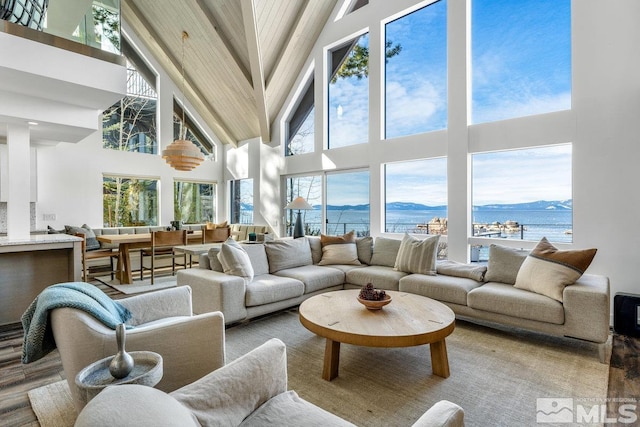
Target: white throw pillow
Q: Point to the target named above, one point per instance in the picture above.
(344, 253)
(417, 255)
(235, 260)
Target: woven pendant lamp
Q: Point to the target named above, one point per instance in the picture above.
(182, 154)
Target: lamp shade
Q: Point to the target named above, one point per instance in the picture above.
(299, 203)
(182, 155)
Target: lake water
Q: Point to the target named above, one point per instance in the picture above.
(553, 224)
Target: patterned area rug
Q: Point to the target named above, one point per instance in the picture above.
(497, 375)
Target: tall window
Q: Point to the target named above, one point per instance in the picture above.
(300, 125)
(129, 201)
(349, 93)
(309, 188)
(521, 58)
(241, 197)
(194, 202)
(348, 203)
(416, 197)
(130, 124)
(523, 194)
(192, 132)
(416, 72)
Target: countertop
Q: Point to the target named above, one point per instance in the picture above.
(38, 239)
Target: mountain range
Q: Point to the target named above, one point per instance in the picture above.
(408, 206)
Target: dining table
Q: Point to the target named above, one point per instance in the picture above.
(127, 242)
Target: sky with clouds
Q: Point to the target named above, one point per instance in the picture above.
(521, 65)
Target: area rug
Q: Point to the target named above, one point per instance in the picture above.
(140, 286)
(52, 405)
(497, 375)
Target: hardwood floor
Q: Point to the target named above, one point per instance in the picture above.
(17, 379)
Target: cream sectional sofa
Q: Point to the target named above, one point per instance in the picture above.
(287, 272)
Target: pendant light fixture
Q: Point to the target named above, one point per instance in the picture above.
(182, 154)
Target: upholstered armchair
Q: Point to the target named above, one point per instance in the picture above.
(190, 346)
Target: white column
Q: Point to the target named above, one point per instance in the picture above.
(19, 168)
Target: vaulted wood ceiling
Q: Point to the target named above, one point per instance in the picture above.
(241, 58)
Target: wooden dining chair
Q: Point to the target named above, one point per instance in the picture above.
(96, 254)
(216, 235)
(162, 247)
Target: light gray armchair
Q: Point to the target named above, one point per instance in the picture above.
(190, 346)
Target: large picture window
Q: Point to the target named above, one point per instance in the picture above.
(416, 72)
(348, 203)
(521, 58)
(416, 197)
(309, 188)
(349, 93)
(129, 201)
(194, 202)
(523, 194)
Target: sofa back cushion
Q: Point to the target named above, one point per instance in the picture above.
(504, 264)
(214, 262)
(365, 249)
(283, 254)
(316, 248)
(385, 251)
(258, 256)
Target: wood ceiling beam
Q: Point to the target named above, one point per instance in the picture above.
(257, 67)
(161, 52)
(222, 38)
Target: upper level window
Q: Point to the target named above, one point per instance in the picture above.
(416, 196)
(416, 72)
(130, 124)
(349, 93)
(300, 125)
(194, 202)
(521, 58)
(129, 201)
(523, 194)
(192, 131)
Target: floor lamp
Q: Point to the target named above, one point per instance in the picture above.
(299, 203)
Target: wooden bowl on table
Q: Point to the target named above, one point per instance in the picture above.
(375, 305)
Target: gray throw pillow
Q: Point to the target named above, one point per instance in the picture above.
(289, 253)
(504, 264)
(235, 261)
(214, 262)
(385, 251)
(90, 237)
(365, 249)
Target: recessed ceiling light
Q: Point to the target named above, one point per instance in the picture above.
(33, 123)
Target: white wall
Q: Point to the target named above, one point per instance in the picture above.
(603, 125)
(70, 175)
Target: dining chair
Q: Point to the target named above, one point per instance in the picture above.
(215, 235)
(96, 254)
(162, 247)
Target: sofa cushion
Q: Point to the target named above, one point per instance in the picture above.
(459, 269)
(349, 237)
(344, 254)
(231, 393)
(385, 251)
(269, 288)
(234, 260)
(214, 262)
(314, 277)
(133, 405)
(316, 248)
(258, 256)
(365, 249)
(548, 270)
(506, 299)
(108, 232)
(504, 264)
(417, 255)
(380, 277)
(288, 254)
(442, 414)
(442, 288)
(289, 410)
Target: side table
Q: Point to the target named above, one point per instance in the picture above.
(147, 370)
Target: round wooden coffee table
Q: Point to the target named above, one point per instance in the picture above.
(408, 320)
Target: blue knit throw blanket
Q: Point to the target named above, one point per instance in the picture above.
(38, 335)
